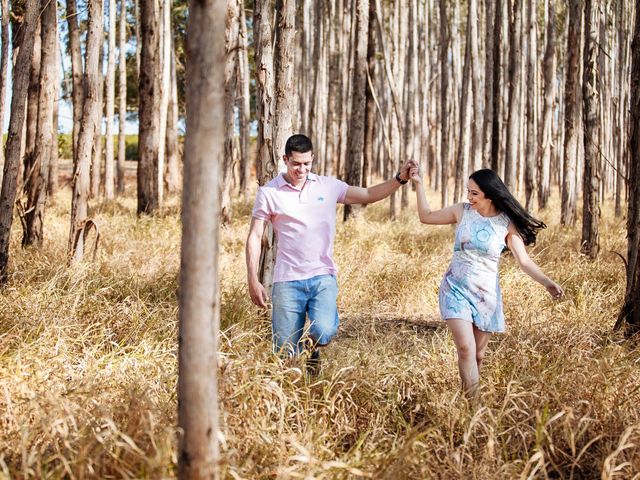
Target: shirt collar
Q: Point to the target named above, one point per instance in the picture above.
(281, 182)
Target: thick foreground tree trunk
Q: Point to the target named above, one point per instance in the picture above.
(199, 281)
(14, 139)
(630, 313)
(36, 185)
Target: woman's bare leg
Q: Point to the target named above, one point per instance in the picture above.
(465, 340)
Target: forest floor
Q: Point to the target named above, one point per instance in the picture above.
(88, 360)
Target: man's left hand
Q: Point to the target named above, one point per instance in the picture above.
(405, 169)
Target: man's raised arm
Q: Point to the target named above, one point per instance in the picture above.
(381, 190)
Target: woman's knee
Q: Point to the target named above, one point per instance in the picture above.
(466, 350)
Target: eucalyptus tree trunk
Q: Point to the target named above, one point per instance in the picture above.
(96, 162)
(4, 62)
(462, 157)
(370, 109)
(592, 163)
(33, 94)
(230, 77)
(283, 62)
(88, 124)
(444, 103)
(77, 94)
(356, 128)
(476, 125)
(172, 178)
(36, 183)
(621, 123)
(515, 72)
(571, 117)
(245, 97)
(498, 22)
(549, 66)
(531, 90)
(110, 104)
(149, 109)
(490, 13)
(122, 92)
(267, 163)
(20, 84)
(199, 298)
(630, 312)
(52, 183)
(165, 77)
(412, 126)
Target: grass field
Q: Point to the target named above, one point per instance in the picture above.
(88, 361)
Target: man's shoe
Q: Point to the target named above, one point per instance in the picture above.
(313, 363)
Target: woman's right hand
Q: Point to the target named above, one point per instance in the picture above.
(416, 175)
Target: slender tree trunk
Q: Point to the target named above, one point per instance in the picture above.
(444, 102)
(20, 84)
(531, 153)
(76, 70)
(476, 67)
(4, 63)
(515, 71)
(88, 125)
(462, 157)
(592, 163)
(267, 164)
(199, 278)
(165, 85)
(284, 46)
(630, 312)
(52, 184)
(496, 97)
(96, 161)
(571, 119)
(36, 184)
(110, 105)
(149, 115)
(230, 78)
(138, 34)
(245, 97)
(490, 27)
(356, 128)
(173, 153)
(544, 165)
(122, 92)
(32, 107)
(370, 109)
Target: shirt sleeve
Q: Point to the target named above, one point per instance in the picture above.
(261, 209)
(341, 189)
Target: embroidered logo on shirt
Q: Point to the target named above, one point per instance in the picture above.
(321, 199)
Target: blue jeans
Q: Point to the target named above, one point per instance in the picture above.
(293, 301)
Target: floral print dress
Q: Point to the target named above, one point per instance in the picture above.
(470, 289)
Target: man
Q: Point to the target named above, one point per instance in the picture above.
(301, 206)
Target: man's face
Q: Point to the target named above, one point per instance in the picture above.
(298, 165)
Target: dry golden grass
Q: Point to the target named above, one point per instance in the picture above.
(88, 362)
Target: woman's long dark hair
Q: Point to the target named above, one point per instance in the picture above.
(495, 190)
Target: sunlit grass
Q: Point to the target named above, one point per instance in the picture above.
(88, 361)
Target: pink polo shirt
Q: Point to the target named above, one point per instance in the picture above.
(304, 220)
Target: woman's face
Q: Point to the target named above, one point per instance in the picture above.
(476, 197)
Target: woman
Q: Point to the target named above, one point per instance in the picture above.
(470, 298)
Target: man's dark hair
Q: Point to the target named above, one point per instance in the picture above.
(298, 143)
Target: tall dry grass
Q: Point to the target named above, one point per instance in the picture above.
(88, 362)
